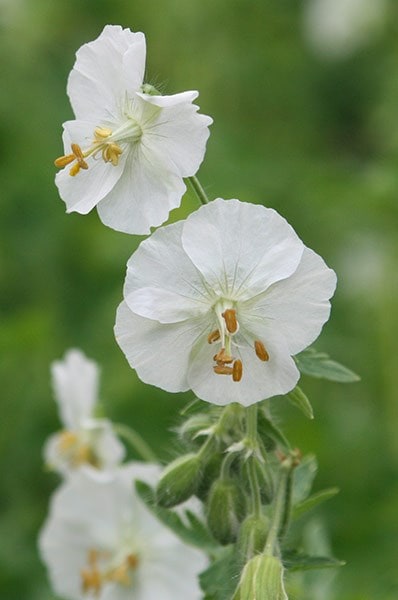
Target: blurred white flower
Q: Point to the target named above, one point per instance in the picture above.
(86, 440)
(221, 302)
(129, 147)
(100, 541)
(336, 28)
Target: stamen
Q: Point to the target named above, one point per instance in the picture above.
(132, 561)
(62, 161)
(222, 370)
(261, 351)
(120, 575)
(230, 320)
(78, 152)
(74, 170)
(91, 578)
(100, 133)
(237, 370)
(66, 441)
(111, 153)
(214, 336)
(223, 357)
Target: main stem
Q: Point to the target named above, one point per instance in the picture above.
(136, 441)
(199, 191)
(251, 432)
(278, 512)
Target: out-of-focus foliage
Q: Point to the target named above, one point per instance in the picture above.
(311, 133)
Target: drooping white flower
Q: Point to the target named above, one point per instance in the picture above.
(100, 541)
(221, 302)
(129, 147)
(85, 440)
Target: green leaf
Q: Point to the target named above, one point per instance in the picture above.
(220, 580)
(298, 561)
(319, 365)
(304, 475)
(300, 400)
(267, 429)
(192, 532)
(313, 501)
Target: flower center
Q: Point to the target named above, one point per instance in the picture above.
(226, 363)
(75, 450)
(105, 143)
(99, 570)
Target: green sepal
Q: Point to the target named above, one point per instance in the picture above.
(299, 561)
(313, 501)
(320, 365)
(179, 481)
(225, 510)
(192, 532)
(220, 579)
(300, 401)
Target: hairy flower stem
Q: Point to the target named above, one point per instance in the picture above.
(135, 441)
(279, 508)
(251, 431)
(199, 191)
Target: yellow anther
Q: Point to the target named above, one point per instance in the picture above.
(237, 370)
(62, 161)
(222, 370)
(223, 357)
(120, 575)
(91, 578)
(100, 133)
(66, 441)
(214, 336)
(74, 169)
(132, 561)
(230, 320)
(261, 351)
(111, 153)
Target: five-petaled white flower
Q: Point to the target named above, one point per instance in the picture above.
(221, 302)
(100, 541)
(129, 147)
(86, 440)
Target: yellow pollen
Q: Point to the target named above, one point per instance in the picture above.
(120, 575)
(62, 161)
(66, 441)
(214, 336)
(237, 370)
(223, 357)
(132, 561)
(230, 320)
(111, 153)
(261, 351)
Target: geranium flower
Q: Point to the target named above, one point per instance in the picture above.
(85, 440)
(100, 541)
(129, 147)
(221, 302)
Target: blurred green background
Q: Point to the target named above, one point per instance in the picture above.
(306, 121)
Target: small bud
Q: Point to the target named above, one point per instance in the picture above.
(179, 480)
(261, 579)
(225, 510)
(253, 536)
(211, 472)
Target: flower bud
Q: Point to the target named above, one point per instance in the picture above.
(252, 536)
(211, 471)
(262, 579)
(225, 510)
(179, 480)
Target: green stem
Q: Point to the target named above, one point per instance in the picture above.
(251, 433)
(136, 442)
(199, 191)
(226, 465)
(278, 512)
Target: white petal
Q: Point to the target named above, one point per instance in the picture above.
(143, 196)
(240, 248)
(75, 382)
(159, 353)
(177, 290)
(297, 307)
(107, 445)
(102, 70)
(83, 191)
(168, 101)
(260, 380)
(180, 133)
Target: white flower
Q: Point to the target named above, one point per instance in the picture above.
(129, 148)
(86, 440)
(221, 302)
(101, 542)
